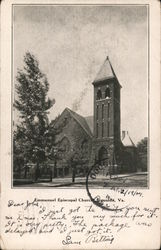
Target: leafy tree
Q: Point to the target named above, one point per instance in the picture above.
(142, 147)
(31, 135)
(74, 158)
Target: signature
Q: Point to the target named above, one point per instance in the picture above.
(68, 241)
(95, 238)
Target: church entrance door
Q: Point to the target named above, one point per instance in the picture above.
(103, 160)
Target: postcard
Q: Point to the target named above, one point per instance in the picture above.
(80, 125)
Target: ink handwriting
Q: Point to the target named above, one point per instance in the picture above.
(88, 223)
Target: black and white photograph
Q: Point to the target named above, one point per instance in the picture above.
(80, 96)
(80, 125)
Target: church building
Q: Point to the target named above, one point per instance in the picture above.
(84, 141)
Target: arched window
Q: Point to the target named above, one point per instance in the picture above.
(103, 156)
(99, 94)
(107, 92)
(84, 147)
(65, 145)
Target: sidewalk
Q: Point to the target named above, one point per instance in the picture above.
(138, 177)
(122, 175)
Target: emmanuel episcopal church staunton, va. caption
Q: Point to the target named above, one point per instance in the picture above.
(87, 140)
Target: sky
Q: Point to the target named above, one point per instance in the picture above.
(71, 44)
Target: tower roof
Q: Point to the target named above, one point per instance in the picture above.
(106, 71)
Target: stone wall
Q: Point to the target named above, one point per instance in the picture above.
(75, 144)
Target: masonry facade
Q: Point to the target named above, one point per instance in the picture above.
(86, 140)
(106, 139)
(74, 144)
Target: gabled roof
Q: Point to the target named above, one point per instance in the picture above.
(81, 120)
(106, 71)
(78, 118)
(89, 120)
(126, 140)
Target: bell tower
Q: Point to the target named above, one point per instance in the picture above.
(106, 113)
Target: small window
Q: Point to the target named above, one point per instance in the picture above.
(108, 129)
(107, 92)
(102, 111)
(108, 110)
(97, 112)
(96, 129)
(102, 129)
(99, 94)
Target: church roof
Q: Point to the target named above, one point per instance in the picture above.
(81, 120)
(126, 140)
(106, 71)
(89, 120)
